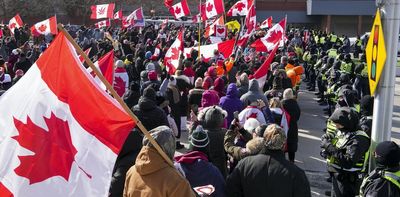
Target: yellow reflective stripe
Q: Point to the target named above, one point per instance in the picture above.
(393, 177)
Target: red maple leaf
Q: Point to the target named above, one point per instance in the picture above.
(12, 25)
(252, 115)
(175, 53)
(177, 10)
(53, 150)
(42, 28)
(101, 11)
(240, 6)
(119, 85)
(209, 7)
(274, 36)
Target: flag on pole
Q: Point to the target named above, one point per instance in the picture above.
(87, 51)
(15, 22)
(250, 23)
(118, 15)
(261, 74)
(135, 19)
(240, 8)
(267, 23)
(65, 133)
(274, 35)
(106, 66)
(103, 23)
(48, 26)
(213, 8)
(102, 11)
(171, 59)
(180, 9)
(168, 3)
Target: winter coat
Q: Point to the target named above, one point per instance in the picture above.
(200, 172)
(155, 84)
(125, 160)
(231, 102)
(253, 94)
(219, 87)
(153, 176)
(150, 114)
(194, 97)
(291, 107)
(377, 186)
(267, 174)
(243, 88)
(251, 112)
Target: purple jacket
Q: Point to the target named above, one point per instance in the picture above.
(231, 102)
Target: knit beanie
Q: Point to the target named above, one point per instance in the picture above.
(251, 124)
(149, 93)
(387, 154)
(119, 64)
(148, 55)
(199, 138)
(198, 83)
(150, 67)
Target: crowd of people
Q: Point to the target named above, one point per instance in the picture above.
(239, 132)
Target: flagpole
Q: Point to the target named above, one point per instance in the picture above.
(201, 18)
(115, 95)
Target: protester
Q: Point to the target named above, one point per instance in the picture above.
(264, 174)
(152, 175)
(231, 102)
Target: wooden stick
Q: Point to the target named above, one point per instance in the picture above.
(115, 95)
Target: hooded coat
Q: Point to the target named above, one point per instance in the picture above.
(152, 176)
(231, 102)
(148, 112)
(219, 87)
(209, 98)
(244, 85)
(253, 94)
(291, 107)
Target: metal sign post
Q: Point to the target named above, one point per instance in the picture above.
(384, 94)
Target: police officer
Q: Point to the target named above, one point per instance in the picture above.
(385, 179)
(346, 151)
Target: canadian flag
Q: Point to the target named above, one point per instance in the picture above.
(121, 81)
(45, 27)
(103, 23)
(135, 19)
(251, 26)
(15, 22)
(106, 65)
(207, 51)
(267, 23)
(274, 35)
(118, 15)
(102, 11)
(261, 74)
(171, 59)
(211, 29)
(59, 131)
(180, 9)
(213, 8)
(240, 8)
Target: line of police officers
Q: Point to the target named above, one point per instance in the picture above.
(342, 82)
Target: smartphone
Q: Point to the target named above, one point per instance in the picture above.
(236, 115)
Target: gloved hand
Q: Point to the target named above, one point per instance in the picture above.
(330, 149)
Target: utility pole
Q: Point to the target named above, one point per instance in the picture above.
(384, 94)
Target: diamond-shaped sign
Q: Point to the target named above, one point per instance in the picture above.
(376, 53)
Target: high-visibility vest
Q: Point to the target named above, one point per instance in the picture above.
(333, 38)
(358, 43)
(322, 40)
(340, 143)
(364, 71)
(332, 53)
(345, 67)
(393, 177)
(307, 56)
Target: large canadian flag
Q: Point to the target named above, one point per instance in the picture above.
(207, 51)
(102, 11)
(213, 8)
(15, 22)
(106, 66)
(171, 59)
(261, 74)
(60, 133)
(180, 9)
(240, 8)
(118, 15)
(274, 35)
(45, 27)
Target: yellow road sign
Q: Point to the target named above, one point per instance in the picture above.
(376, 53)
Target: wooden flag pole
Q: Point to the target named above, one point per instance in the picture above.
(115, 95)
